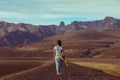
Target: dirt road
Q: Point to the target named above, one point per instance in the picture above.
(72, 72)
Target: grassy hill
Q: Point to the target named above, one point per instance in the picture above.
(80, 43)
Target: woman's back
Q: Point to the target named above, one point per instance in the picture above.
(58, 49)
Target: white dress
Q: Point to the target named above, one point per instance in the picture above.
(57, 59)
(58, 50)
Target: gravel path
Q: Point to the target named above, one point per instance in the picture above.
(72, 72)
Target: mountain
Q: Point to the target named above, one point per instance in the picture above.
(21, 33)
(108, 22)
(12, 34)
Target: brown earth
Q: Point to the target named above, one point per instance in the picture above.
(46, 70)
(14, 67)
(72, 72)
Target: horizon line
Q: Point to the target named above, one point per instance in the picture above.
(57, 23)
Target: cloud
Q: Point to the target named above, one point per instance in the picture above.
(41, 11)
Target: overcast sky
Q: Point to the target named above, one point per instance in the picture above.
(54, 11)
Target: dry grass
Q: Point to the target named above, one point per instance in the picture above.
(75, 44)
(27, 49)
(105, 67)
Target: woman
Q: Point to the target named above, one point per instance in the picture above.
(58, 55)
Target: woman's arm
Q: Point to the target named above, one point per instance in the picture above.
(63, 54)
(54, 53)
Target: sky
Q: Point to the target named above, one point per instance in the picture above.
(40, 12)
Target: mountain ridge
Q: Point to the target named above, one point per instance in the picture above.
(21, 33)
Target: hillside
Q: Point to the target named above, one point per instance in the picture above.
(82, 35)
(77, 44)
(90, 43)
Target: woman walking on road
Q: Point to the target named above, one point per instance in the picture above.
(58, 53)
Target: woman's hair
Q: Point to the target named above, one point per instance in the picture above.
(59, 42)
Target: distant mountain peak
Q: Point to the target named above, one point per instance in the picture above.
(2, 22)
(62, 23)
(109, 18)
